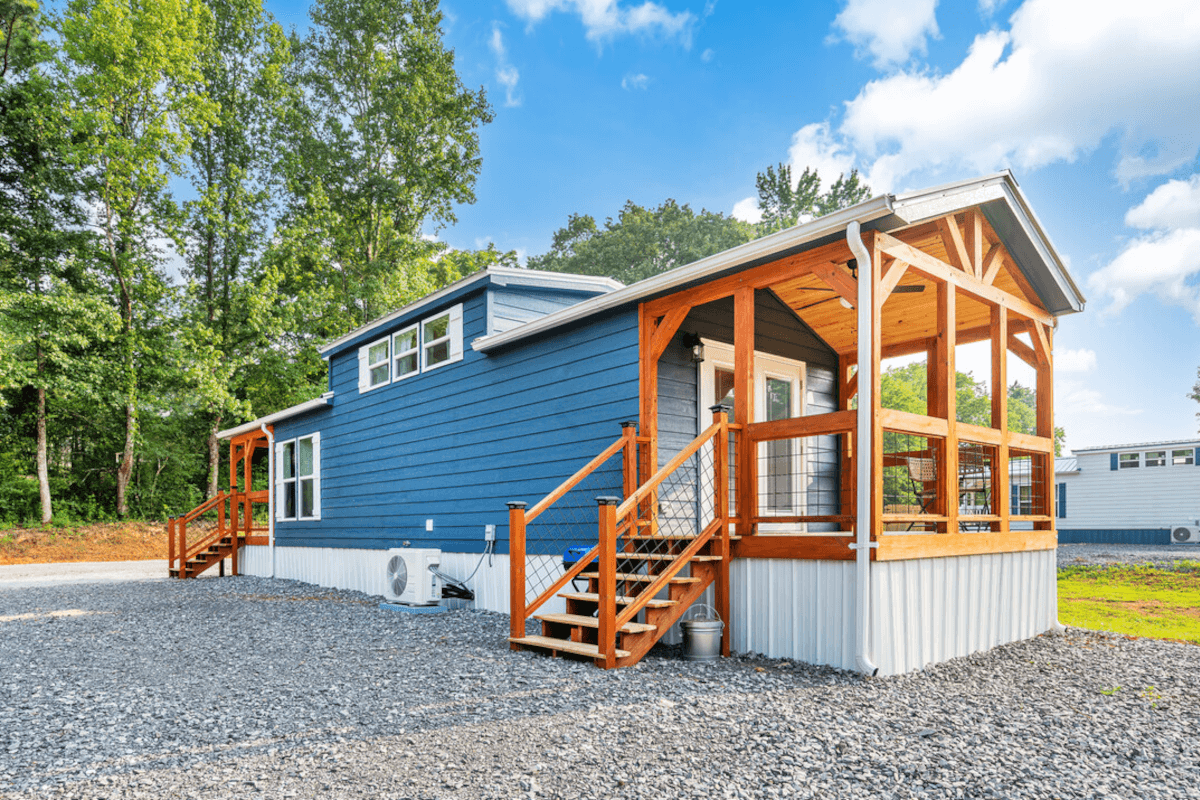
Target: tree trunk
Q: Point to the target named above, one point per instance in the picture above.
(43, 470)
(214, 459)
(125, 470)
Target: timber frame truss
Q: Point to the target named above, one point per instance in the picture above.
(935, 285)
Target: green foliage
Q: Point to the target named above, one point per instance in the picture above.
(785, 202)
(1137, 600)
(1195, 393)
(640, 242)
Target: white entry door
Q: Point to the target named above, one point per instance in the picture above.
(778, 394)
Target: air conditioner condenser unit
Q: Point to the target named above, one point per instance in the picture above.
(1185, 534)
(409, 577)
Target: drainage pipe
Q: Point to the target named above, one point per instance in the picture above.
(866, 430)
(270, 490)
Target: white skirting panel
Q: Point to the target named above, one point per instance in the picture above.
(922, 611)
(363, 571)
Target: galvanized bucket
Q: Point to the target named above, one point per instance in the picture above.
(702, 637)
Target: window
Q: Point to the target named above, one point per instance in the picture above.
(374, 365)
(431, 343)
(405, 346)
(441, 338)
(1180, 458)
(1156, 458)
(1062, 501)
(1129, 460)
(298, 485)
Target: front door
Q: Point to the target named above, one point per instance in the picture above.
(778, 394)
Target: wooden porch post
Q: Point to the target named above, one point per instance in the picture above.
(947, 402)
(721, 509)
(743, 407)
(1045, 421)
(607, 611)
(1000, 489)
(516, 570)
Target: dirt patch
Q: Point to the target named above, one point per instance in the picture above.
(1154, 608)
(105, 541)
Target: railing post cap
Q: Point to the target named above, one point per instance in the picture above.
(517, 504)
(628, 424)
(608, 501)
(718, 408)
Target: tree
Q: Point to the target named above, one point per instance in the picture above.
(242, 66)
(1195, 395)
(384, 140)
(133, 69)
(641, 242)
(785, 202)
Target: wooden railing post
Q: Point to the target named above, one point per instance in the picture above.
(516, 569)
(629, 433)
(607, 628)
(181, 549)
(170, 543)
(721, 511)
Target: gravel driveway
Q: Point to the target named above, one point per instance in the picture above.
(248, 687)
(1160, 555)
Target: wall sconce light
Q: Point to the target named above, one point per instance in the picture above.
(693, 343)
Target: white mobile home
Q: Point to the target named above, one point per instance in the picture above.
(1130, 493)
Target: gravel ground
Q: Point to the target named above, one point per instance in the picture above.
(249, 687)
(25, 576)
(1160, 555)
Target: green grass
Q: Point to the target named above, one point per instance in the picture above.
(1135, 600)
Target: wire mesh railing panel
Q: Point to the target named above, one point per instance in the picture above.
(976, 470)
(800, 478)
(568, 528)
(1027, 483)
(911, 480)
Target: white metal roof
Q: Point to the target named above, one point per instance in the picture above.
(886, 212)
(270, 419)
(1138, 446)
(1062, 465)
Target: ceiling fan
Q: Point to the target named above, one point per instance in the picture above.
(852, 264)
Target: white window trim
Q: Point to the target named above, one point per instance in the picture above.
(453, 334)
(414, 328)
(1123, 462)
(284, 484)
(365, 366)
(1165, 458)
(1190, 457)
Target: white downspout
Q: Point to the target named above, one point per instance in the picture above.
(866, 427)
(270, 491)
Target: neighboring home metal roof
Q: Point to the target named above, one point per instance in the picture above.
(998, 195)
(270, 419)
(1062, 465)
(1138, 446)
(501, 276)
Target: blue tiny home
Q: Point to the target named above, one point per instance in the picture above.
(714, 433)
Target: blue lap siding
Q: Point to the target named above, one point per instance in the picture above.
(454, 444)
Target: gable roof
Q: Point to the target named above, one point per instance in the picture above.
(1113, 448)
(998, 196)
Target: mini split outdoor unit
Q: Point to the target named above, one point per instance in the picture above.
(1185, 534)
(410, 577)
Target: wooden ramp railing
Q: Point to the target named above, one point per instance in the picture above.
(656, 552)
(230, 525)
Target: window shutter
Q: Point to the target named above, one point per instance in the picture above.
(1062, 501)
(1196, 457)
(1014, 506)
(363, 372)
(277, 486)
(316, 439)
(456, 333)
(1112, 461)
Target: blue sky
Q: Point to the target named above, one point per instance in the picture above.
(1095, 106)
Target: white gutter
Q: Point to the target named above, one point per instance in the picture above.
(270, 491)
(255, 424)
(866, 427)
(763, 248)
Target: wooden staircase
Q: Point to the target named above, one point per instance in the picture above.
(214, 554)
(575, 632)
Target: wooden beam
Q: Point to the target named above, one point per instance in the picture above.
(648, 387)
(666, 330)
(992, 263)
(1000, 477)
(942, 272)
(800, 427)
(1022, 350)
(974, 242)
(743, 403)
(896, 547)
(1041, 345)
(891, 276)
(947, 405)
(769, 545)
(956, 249)
(916, 424)
(1033, 444)
(839, 280)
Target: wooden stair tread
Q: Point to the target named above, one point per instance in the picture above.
(621, 601)
(657, 557)
(632, 577)
(677, 537)
(563, 645)
(593, 622)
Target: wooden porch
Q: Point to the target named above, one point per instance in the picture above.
(937, 487)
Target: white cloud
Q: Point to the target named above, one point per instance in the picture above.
(707, 55)
(1068, 360)
(747, 210)
(890, 32)
(1175, 204)
(815, 146)
(1063, 78)
(638, 81)
(1166, 264)
(1074, 397)
(606, 19)
(506, 73)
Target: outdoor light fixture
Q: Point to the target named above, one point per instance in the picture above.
(692, 342)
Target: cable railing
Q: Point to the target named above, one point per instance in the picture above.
(192, 537)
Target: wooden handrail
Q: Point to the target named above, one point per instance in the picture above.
(660, 582)
(574, 480)
(832, 423)
(662, 474)
(207, 505)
